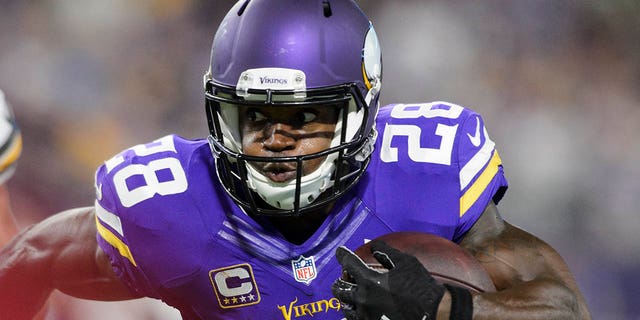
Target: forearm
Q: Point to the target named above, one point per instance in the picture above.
(537, 299)
(57, 253)
(24, 277)
(532, 279)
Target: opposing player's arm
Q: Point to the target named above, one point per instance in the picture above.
(8, 226)
(61, 253)
(532, 279)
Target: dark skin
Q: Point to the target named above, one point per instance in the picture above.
(62, 253)
(286, 131)
(531, 278)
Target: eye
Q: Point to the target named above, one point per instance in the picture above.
(253, 115)
(306, 116)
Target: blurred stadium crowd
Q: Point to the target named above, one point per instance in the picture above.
(558, 83)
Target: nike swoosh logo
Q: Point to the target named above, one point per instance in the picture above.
(475, 139)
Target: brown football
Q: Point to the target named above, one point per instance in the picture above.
(446, 261)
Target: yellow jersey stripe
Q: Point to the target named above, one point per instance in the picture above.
(114, 241)
(12, 154)
(108, 219)
(476, 189)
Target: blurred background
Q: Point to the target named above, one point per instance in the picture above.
(558, 83)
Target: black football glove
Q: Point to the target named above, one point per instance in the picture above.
(406, 292)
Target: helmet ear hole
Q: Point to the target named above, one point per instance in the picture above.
(326, 7)
(244, 6)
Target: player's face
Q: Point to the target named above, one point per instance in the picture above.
(284, 132)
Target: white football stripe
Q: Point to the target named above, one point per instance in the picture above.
(109, 218)
(479, 160)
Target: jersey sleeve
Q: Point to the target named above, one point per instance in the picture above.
(112, 239)
(131, 190)
(481, 173)
(435, 165)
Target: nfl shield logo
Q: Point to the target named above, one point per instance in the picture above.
(304, 269)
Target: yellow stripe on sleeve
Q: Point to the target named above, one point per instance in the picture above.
(476, 189)
(115, 242)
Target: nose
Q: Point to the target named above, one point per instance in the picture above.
(279, 137)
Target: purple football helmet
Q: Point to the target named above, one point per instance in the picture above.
(292, 53)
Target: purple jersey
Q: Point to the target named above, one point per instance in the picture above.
(173, 233)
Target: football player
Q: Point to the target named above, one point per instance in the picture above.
(10, 149)
(300, 165)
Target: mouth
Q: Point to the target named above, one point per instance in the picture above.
(279, 172)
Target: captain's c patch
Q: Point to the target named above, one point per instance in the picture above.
(235, 286)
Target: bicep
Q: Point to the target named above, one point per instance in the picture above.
(512, 255)
(79, 267)
(515, 256)
(520, 264)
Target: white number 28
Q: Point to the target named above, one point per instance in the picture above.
(440, 155)
(152, 186)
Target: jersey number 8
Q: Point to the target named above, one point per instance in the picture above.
(129, 196)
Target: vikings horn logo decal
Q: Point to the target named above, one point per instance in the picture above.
(372, 63)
